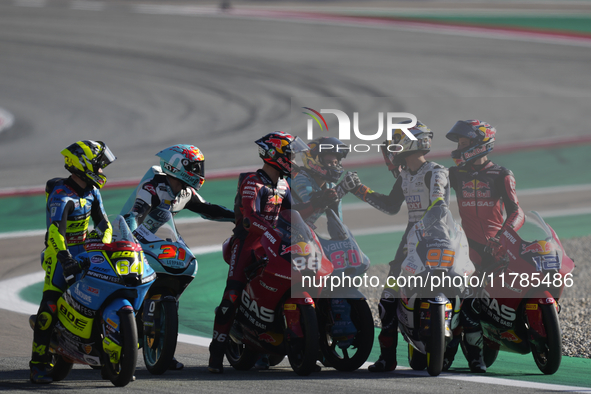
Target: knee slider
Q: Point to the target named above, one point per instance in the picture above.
(46, 315)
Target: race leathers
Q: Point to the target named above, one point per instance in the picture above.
(69, 209)
(482, 191)
(155, 192)
(258, 204)
(304, 186)
(429, 184)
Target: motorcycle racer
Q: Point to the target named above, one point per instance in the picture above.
(261, 196)
(482, 188)
(70, 204)
(421, 184)
(319, 174)
(172, 186)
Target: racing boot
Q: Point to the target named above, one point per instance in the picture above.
(263, 362)
(383, 365)
(450, 353)
(216, 357)
(387, 360)
(473, 341)
(39, 373)
(175, 365)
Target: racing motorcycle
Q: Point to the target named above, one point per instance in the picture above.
(175, 268)
(519, 301)
(344, 319)
(433, 281)
(274, 317)
(96, 324)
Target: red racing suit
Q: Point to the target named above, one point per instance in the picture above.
(257, 207)
(482, 191)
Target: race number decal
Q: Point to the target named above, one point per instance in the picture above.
(170, 252)
(440, 257)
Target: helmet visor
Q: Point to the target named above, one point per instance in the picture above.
(297, 146)
(106, 157)
(460, 129)
(197, 168)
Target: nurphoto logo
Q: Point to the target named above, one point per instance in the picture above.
(392, 123)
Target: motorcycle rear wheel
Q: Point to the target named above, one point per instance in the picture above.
(61, 368)
(436, 348)
(416, 359)
(303, 352)
(363, 342)
(159, 356)
(549, 360)
(121, 373)
(239, 356)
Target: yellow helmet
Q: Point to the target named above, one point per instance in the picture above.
(85, 158)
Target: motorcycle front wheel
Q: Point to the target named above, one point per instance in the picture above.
(303, 352)
(121, 373)
(436, 348)
(239, 356)
(549, 358)
(159, 351)
(341, 359)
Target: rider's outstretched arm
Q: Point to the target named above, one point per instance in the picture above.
(209, 211)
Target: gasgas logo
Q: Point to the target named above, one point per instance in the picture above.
(345, 129)
(265, 314)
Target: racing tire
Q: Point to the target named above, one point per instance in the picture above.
(416, 360)
(340, 359)
(61, 368)
(158, 357)
(121, 373)
(549, 360)
(303, 352)
(489, 355)
(436, 348)
(275, 359)
(240, 356)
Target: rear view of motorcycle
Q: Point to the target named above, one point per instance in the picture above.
(274, 317)
(519, 301)
(344, 318)
(432, 282)
(96, 324)
(175, 268)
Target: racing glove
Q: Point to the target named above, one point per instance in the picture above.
(70, 267)
(349, 183)
(494, 247)
(320, 200)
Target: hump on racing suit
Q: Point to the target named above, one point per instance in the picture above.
(155, 192)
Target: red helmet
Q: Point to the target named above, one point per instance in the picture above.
(278, 149)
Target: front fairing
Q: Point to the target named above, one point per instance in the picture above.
(164, 247)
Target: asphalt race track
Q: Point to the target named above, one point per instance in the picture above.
(142, 81)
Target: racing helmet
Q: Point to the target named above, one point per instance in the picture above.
(85, 158)
(185, 163)
(313, 159)
(278, 149)
(423, 136)
(481, 136)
